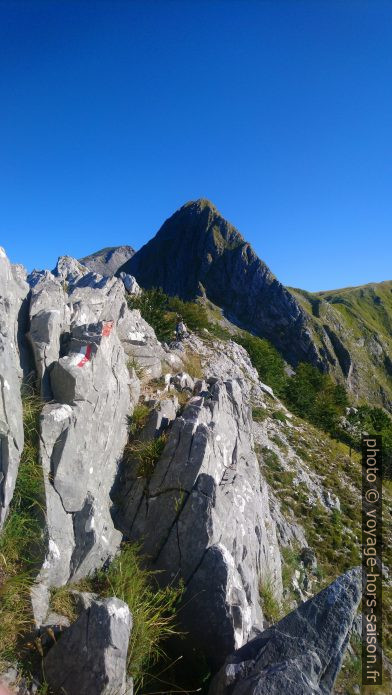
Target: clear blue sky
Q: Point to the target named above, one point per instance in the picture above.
(114, 114)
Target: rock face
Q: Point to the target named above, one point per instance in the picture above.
(107, 261)
(49, 320)
(83, 435)
(75, 319)
(91, 656)
(13, 292)
(197, 251)
(301, 654)
(203, 517)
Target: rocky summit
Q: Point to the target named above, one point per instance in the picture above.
(180, 500)
(197, 253)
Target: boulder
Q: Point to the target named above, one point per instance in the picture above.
(13, 293)
(141, 344)
(90, 658)
(301, 654)
(162, 414)
(203, 518)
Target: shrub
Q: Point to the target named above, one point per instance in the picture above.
(279, 415)
(315, 397)
(259, 414)
(160, 311)
(265, 359)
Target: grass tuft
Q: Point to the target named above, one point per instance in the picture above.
(21, 542)
(145, 454)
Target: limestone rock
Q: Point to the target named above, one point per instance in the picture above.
(107, 261)
(130, 283)
(49, 321)
(140, 344)
(91, 656)
(13, 292)
(301, 654)
(83, 435)
(203, 518)
(69, 270)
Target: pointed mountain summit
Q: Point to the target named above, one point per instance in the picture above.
(197, 252)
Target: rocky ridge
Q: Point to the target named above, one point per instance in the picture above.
(205, 512)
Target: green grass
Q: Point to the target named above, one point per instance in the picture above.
(270, 605)
(145, 455)
(260, 414)
(21, 542)
(138, 418)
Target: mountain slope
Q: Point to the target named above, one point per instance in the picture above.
(346, 332)
(197, 252)
(358, 322)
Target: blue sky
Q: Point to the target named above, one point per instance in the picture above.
(114, 114)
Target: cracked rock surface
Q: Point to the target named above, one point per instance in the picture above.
(91, 656)
(203, 517)
(301, 654)
(13, 292)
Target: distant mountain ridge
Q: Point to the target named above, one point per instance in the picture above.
(108, 260)
(348, 332)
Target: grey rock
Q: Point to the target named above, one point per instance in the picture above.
(140, 344)
(107, 261)
(13, 292)
(130, 283)
(183, 382)
(82, 438)
(91, 656)
(301, 654)
(49, 321)
(159, 418)
(203, 518)
(69, 270)
(96, 298)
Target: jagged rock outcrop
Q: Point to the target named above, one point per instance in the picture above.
(203, 518)
(83, 435)
(197, 251)
(49, 322)
(130, 283)
(13, 292)
(141, 345)
(301, 654)
(82, 367)
(107, 261)
(91, 656)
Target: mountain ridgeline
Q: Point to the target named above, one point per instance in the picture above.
(198, 254)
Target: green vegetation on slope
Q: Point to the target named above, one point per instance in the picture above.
(160, 311)
(21, 542)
